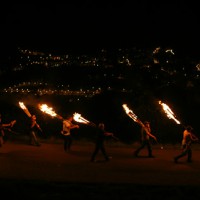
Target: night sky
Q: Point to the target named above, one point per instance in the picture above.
(88, 25)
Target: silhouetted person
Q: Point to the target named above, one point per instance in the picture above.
(101, 135)
(145, 139)
(188, 138)
(34, 127)
(2, 128)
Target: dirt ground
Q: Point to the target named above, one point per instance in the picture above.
(47, 172)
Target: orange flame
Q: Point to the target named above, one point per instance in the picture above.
(130, 113)
(24, 108)
(77, 117)
(169, 112)
(44, 108)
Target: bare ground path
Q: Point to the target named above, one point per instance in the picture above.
(47, 172)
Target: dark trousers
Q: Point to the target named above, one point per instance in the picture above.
(187, 151)
(67, 142)
(99, 147)
(33, 139)
(145, 143)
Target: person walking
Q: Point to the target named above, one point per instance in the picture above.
(34, 126)
(3, 127)
(66, 132)
(101, 135)
(188, 138)
(145, 139)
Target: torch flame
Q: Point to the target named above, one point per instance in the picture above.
(21, 104)
(77, 117)
(24, 108)
(130, 113)
(44, 108)
(169, 112)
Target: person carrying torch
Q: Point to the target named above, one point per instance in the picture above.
(188, 138)
(145, 132)
(99, 144)
(145, 139)
(34, 126)
(66, 132)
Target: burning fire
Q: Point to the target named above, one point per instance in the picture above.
(169, 112)
(77, 117)
(24, 108)
(48, 110)
(130, 113)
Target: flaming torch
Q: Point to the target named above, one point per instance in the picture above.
(24, 108)
(78, 118)
(130, 113)
(133, 116)
(171, 115)
(169, 112)
(48, 110)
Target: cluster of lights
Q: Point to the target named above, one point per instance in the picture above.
(29, 58)
(39, 88)
(49, 60)
(38, 91)
(86, 93)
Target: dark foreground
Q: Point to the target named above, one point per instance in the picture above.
(47, 172)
